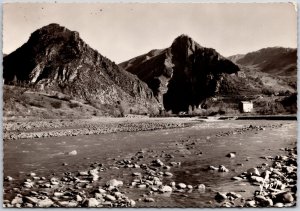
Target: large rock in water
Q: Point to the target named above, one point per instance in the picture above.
(182, 75)
(57, 59)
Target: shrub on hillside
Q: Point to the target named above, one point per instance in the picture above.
(74, 105)
(56, 104)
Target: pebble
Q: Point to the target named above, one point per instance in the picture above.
(68, 203)
(263, 201)
(165, 188)
(83, 173)
(234, 195)
(168, 174)
(92, 202)
(28, 205)
(32, 200)
(110, 198)
(137, 174)
(257, 179)
(45, 203)
(157, 182)
(28, 184)
(153, 188)
(213, 168)
(279, 205)
(201, 187)
(287, 198)
(32, 174)
(17, 200)
(253, 172)
(251, 203)
(149, 200)
(231, 155)
(58, 194)
(142, 186)
(8, 178)
(181, 185)
(114, 183)
(78, 198)
(237, 178)
(74, 152)
(167, 167)
(158, 163)
(98, 196)
(223, 169)
(34, 193)
(226, 204)
(220, 197)
(101, 190)
(132, 203)
(175, 163)
(190, 187)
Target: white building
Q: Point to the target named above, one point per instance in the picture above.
(246, 106)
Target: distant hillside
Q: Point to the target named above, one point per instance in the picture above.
(183, 75)
(277, 60)
(57, 59)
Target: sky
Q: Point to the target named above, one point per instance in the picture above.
(123, 31)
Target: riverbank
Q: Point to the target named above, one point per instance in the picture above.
(17, 129)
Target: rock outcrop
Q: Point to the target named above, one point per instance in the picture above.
(55, 58)
(183, 75)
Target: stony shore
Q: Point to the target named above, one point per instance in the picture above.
(277, 183)
(82, 189)
(58, 128)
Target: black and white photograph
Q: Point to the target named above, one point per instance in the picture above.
(161, 105)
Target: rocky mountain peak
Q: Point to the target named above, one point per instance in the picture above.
(184, 46)
(54, 30)
(182, 75)
(56, 58)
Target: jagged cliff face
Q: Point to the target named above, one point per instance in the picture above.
(182, 75)
(58, 59)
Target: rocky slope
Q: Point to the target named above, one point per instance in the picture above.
(183, 75)
(57, 59)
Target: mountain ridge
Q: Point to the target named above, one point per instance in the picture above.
(277, 60)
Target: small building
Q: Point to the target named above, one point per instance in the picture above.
(246, 106)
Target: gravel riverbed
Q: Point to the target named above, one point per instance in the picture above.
(206, 165)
